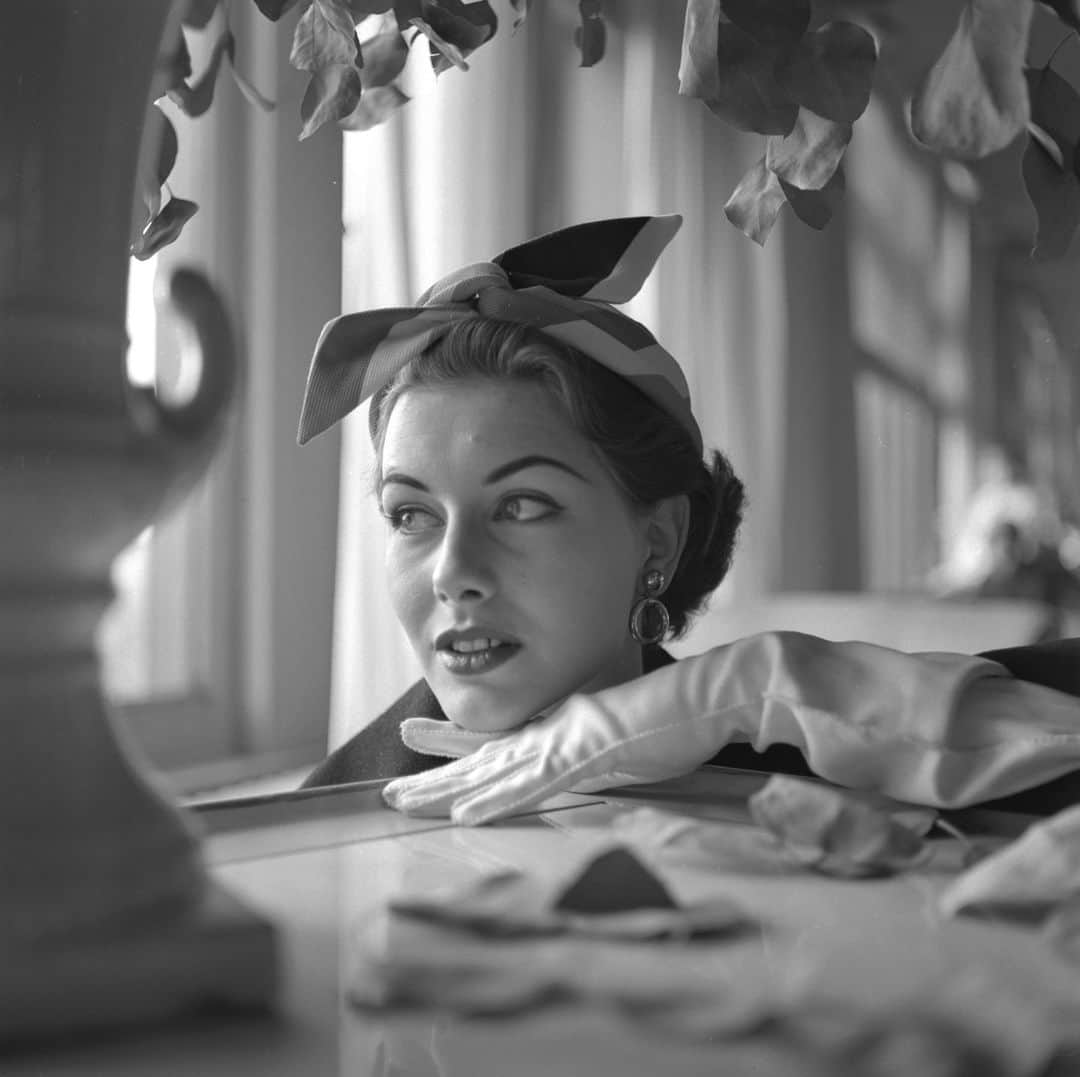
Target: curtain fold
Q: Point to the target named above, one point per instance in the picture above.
(524, 142)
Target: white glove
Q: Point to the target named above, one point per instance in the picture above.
(430, 736)
(863, 716)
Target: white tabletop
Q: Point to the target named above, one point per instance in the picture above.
(319, 865)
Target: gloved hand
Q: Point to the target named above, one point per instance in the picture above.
(935, 729)
(582, 745)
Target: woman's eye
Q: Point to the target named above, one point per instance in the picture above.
(524, 509)
(411, 519)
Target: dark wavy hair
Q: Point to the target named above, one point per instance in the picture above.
(647, 452)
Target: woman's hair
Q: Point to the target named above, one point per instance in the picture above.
(647, 452)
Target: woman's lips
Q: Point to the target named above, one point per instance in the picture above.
(470, 663)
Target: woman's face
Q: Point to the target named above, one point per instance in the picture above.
(513, 558)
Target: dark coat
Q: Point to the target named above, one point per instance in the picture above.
(377, 751)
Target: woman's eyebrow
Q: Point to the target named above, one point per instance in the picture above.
(405, 480)
(522, 462)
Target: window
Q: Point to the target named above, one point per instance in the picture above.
(218, 651)
(911, 285)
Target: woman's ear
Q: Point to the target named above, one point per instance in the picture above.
(669, 523)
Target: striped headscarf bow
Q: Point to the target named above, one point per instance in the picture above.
(562, 284)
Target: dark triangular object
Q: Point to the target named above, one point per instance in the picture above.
(616, 881)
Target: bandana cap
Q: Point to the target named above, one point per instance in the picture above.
(562, 284)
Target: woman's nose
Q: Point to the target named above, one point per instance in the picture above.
(463, 569)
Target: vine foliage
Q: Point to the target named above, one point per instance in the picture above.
(798, 72)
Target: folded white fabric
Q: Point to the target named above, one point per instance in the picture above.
(937, 729)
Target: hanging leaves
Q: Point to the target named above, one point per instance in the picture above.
(756, 203)
(453, 29)
(1050, 163)
(158, 132)
(1055, 113)
(193, 99)
(834, 831)
(831, 71)
(361, 9)
(376, 106)
(1066, 10)
(816, 207)
(171, 69)
(274, 9)
(325, 36)
(755, 65)
(974, 99)
(384, 55)
(199, 13)
(590, 37)
(1055, 194)
(163, 228)
(521, 11)
(772, 22)
(808, 157)
(332, 94)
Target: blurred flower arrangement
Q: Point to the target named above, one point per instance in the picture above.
(799, 72)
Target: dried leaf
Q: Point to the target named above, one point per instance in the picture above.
(732, 73)
(772, 22)
(195, 99)
(1055, 111)
(199, 13)
(274, 9)
(834, 831)
(756, 203)
(1037, 871)
(591, 36)
(376, 106)
(974, 100)
(246, 88)
(816, 208)
(1066, 10)
(831, 71)
(163, 228)
(1055, 194)
(809, 156)
(384, 56)
(332, 94)
(324, 36)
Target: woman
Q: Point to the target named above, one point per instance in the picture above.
(553, 520)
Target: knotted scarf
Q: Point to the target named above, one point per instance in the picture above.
(563, 284)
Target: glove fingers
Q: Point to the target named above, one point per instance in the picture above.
(530, 785)
(436, 790)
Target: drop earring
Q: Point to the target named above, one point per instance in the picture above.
(649, 619)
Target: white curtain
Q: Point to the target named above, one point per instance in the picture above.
(525, 142)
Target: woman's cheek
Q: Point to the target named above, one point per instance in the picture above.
(407, 592)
